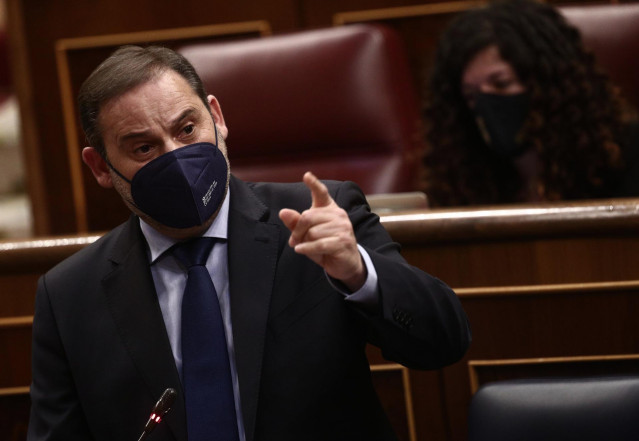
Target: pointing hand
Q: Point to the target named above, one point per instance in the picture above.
(324, 234)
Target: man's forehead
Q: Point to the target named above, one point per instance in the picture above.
(164, 96)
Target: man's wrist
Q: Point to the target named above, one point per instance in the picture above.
(356, 282)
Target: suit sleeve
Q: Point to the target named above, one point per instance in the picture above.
(419, 321)
(56, 414)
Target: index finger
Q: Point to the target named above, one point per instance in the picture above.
(319, 192)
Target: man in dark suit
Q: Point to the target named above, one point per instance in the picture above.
(305, 274)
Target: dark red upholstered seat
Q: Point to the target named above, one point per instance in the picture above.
(611, 31)
(339, 102)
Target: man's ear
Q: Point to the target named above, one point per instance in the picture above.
(98, 166)
(216, 110)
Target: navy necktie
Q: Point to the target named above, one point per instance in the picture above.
(206, 372)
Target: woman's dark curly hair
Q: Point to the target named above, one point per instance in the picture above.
(574, 120)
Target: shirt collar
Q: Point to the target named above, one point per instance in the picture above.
(158, 243)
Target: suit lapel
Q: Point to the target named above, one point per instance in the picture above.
(252, 254)
(133, 304)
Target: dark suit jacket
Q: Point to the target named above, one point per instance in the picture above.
(101, 355)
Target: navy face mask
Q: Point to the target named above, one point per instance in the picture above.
(500, 119)
(182, 188)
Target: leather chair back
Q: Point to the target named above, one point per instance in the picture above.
(587, 409)
(339, 102)
(611, 31)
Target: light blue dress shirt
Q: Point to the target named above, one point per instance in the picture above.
(170, 281)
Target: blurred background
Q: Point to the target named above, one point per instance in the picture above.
(15, 210)
(52, 46)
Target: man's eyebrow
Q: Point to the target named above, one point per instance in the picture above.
(132, 135)
(184, 115)
(143, 133)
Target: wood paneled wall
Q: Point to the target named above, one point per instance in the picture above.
(549, 290)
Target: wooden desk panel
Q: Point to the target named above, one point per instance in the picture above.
(587, 241)
(13, 408)
(15, 346)
(529, 261)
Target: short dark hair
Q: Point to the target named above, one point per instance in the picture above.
(128, 67)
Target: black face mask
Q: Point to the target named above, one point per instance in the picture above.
(500, 119)
(182, 188)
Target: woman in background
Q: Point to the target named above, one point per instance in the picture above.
(518, 112)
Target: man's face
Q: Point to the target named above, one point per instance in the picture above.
(154, 118)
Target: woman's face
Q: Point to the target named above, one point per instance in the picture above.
(488, 73)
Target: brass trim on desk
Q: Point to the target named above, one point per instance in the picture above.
(408, 397)
(11, 391)
(16, 322)
(550, 289)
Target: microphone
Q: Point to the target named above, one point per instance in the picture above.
(159, 410)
